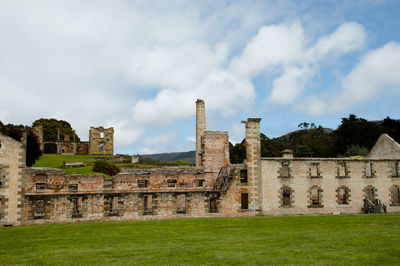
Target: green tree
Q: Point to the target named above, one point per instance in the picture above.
(50, 127)
(16, 132)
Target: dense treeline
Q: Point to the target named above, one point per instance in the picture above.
(50, 127)
(16, 131)
(354, 136)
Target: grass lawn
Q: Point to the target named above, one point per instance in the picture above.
(344, 239)
(56, 161)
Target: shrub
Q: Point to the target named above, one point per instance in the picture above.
(106, 167)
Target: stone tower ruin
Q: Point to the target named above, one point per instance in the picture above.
(101, 141)
(200, 129)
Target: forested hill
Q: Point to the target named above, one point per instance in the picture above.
(354, 136)
(188, 156)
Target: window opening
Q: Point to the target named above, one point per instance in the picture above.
(200, 182)
(101, 146)
(77, 207)
(315, 196)
(102, 135)
(142, 183)
(243, 176)
(73, 187)
(181, 203)
(244, 201)
(285, 169)
(368, 169)
(171, 182)
(286, 197)
(148, 203)
(40, 186)
(39, 208)
(343, 196)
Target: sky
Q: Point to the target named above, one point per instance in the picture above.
(140, 66)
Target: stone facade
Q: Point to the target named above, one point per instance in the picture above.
(213, 188)
(12, 178)
(101, 141)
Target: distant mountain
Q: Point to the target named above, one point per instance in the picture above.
(188, 156)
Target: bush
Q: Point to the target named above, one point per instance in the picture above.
(355, 150)
(106, 168)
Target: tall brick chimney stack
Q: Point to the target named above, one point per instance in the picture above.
(200, 128)
(253, 161)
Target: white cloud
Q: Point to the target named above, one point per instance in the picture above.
(377, 73)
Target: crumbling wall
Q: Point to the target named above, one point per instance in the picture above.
(101, 141)
(215, 148)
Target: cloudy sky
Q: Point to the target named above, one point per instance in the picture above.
(139, 66)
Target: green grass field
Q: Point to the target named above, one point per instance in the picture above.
(56, 161)
(345, 239)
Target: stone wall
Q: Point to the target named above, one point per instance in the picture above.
(101, 141)
(154, 193)
(215, 150)
(330, 176)
(12, 177)
(252, 162)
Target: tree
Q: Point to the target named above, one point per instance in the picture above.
(33, 151)
(50, 127)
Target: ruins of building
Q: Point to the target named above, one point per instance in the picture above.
(213, 188)
(101, 142)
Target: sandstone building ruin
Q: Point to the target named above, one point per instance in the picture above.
(101, 142)
(213, 188)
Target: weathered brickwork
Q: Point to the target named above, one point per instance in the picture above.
(101, 141)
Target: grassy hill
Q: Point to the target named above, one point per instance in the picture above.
(344, 239)
(56, 161)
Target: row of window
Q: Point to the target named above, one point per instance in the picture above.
(142, 183)
(342, 195)
(342, 169)
(39, 206)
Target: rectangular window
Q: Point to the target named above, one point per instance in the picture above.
(342, 169)
(101, 146)
(395, 169)
(315, 197)
(368, 169)
(213, 204)
(114, 205)
(243, 176)
(40, 186)
(314, 170)
(142, 183)
(286, 197)
(244, 201)
(200, 182)
(396, 196)
(148, 203)
(77, 207)
(181, 203)
(285, 169)
(102, 135)
(343, 196)
(73, 187)
(39, 208)
(171, 182)
(370, 194)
